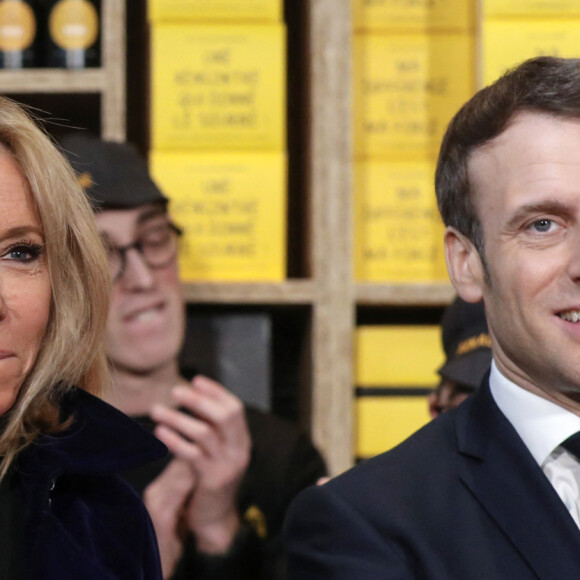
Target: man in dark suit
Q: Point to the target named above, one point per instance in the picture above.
(489, 490)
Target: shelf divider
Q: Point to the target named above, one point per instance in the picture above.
(291, 292)
(45, 80)
(333, 321)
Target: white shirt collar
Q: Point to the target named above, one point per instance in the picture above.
(541, 424)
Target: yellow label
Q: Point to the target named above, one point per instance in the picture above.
(218, 87)
(17, 26)
(506, 43)
(74, 24)
(432, 15)
(384, 422)
(531, 7)
(398, 355)
(232, 207)
(398, 233)
(224, 10)
(407, 88)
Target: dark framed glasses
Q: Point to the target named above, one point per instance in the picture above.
(157, 246)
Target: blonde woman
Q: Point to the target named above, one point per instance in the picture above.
(63, 511)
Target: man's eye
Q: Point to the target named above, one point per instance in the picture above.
(543, 225)
(157, 237)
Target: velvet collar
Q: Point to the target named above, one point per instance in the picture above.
(101, 439)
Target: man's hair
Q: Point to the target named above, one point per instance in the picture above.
(72, 351)
(544, 85)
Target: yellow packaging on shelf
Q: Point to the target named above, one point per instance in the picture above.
(179, 10)
(384, 422)
(406, 89)
(447, 15)
(218, 87)
(232, 207)
(531, 8)
(398, 233)
(508, 42)
(398, 355)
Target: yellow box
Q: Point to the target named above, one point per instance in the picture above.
(179, 10)
(448, 15)
(218, 87)
(384, 422)
(407, 88)
(531, 8)
(506, 43)
(232, 207)
(398, 233)
(398, 355)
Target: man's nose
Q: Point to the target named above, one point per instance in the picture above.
(136, 275)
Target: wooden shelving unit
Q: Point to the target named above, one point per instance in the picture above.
(329, 289)
(108, 81)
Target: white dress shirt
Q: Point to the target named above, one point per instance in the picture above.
(543, 426)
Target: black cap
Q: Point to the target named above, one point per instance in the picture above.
(113, 175)
(466, 343)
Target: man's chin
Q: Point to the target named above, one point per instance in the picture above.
(146, 364)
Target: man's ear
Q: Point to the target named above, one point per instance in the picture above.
(464, 265)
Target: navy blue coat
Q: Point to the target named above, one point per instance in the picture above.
(461, 499)
(81, 520)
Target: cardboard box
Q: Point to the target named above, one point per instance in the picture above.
(435, 15)
(398, 233)
(398, 355)
(232, 207)
(218, 87)
(384, 422)
(406, 89)
(508, 42)
(541, 8)
(224, 10)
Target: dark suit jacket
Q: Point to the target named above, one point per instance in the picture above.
(80, 520)
(462, 499)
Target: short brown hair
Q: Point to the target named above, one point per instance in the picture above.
(546, 85)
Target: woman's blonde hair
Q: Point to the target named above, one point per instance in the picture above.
(72, 351)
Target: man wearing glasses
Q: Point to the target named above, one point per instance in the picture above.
(218, 502)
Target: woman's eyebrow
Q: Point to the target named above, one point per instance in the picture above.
(18, 231)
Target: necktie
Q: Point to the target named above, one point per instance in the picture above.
(572, 445)
(564, 474)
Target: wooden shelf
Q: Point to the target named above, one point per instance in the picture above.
(52, 81)
(285, 293)
(306, 292)
(108, 81)
(418, 294)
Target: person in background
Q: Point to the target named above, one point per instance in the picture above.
(489, 489)
(219, 501)
(64, 512)
(467, 347)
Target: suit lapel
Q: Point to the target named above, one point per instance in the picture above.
(504, 477)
